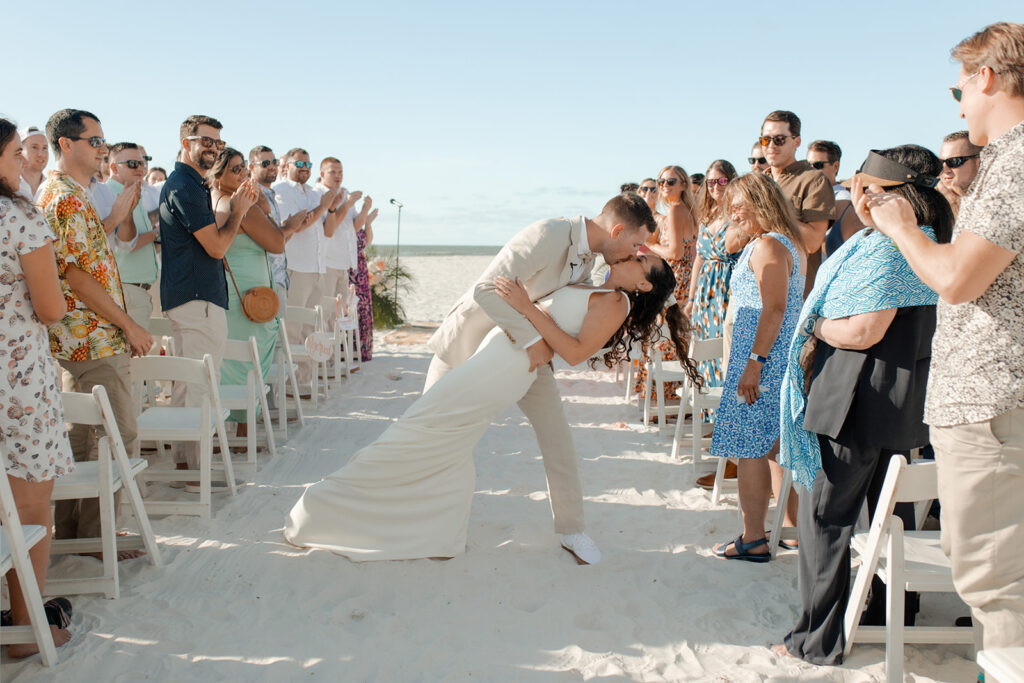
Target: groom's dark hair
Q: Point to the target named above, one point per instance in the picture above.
(631, 209)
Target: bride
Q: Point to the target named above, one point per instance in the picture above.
(408, 494)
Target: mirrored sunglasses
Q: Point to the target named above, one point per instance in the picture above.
(131, 163)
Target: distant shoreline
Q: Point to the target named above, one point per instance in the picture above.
(437, 249)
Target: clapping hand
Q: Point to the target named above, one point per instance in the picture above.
(513, 293)
(125, 202)
(367, 204)
(244, 197)
(371, 217)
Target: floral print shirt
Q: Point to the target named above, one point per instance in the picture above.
(82, 242)
(977, 370)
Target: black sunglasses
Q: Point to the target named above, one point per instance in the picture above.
(957, 162)
(94, 141)
(820, 164)
(757, 160)
(668, 181)
(267, 162)
(131, 163)
(645, 189)
(147, 158)
(208, 142)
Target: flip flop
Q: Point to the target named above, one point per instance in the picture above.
(743, 550)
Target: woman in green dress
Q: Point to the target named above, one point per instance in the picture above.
(247, 259)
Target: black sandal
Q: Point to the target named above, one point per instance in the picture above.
(743, 550)
(58, 613)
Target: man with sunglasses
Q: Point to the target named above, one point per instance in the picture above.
(960, 162)
(136, 256)
(757, 160)
(975, 399)
(263, 167)
(95, 340)
(807, 188)
(824, 156)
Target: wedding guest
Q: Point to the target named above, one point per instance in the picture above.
(766, 292)
(136, 259)
(648, 189)
(263, 167)
(248, 266)
(33, 141)
(193, 286)
(698, 189)
(806, 188)
(33, 435)
(628, 187)
(757, 160)
(673, 242)
(95, 339)
(824, 156)
(361, 280)
(150, 195)
(975, 400)
(708, 297)
(874, 344)
(960, 163)
(156, 176)
(340, 225)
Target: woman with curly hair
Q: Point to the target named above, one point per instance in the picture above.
(408, 494)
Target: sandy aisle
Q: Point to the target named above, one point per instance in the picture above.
(234, 602)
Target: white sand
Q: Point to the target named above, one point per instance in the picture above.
(235, 602)
(437, 282)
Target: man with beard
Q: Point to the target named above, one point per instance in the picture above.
(193, 289)
(263, 167)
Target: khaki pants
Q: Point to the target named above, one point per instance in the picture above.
(199, 327)
(981, 478)
(542, 405)
(306, 290)
(81, 518)
(336, 282)
(139, 303)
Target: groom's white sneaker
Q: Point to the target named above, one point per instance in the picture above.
(582, 548)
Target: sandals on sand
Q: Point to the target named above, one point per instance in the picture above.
(743, 550)
(58, 613)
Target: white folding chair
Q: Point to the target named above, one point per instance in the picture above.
(250, 397)
(160, 328)
(905, 561)
(280, 376)
(183, 424)
(299, 316)
(345, 336)
(660, 371)
(15, 542)
(1002, 665)
(101, 479)
(708, 398)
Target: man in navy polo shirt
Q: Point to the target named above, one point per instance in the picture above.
(193, 291)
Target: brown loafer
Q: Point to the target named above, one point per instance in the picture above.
(708, 480)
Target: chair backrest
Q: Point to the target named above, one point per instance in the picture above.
(299, 315)
(706, 349)
(919, 481)
(168, 368)
(238, 349)
(83, 409)
(160, 326)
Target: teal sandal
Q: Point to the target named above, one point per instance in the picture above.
(743, 550)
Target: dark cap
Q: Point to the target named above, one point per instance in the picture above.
(879, 170)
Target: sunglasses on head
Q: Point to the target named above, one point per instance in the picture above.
(644, 189)
(957, 162)
(94, 141)
(779, 140)
(303, 164)
(267, 162)
(757, 160)
(208, 142)
(131, 163)
(721, 182)
(668, 181)
(820, 164)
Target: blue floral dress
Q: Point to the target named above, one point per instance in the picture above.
(750, 431)
(711, 299)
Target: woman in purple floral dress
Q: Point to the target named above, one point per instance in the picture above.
(360, 277)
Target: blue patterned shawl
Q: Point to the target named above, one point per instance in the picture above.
(868, 273)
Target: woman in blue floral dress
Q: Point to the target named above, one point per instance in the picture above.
(767, 288)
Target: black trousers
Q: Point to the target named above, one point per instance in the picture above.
(852, 473)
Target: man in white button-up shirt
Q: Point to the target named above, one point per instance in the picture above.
(341, 252)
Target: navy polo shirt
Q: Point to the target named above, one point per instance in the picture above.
(188, 273)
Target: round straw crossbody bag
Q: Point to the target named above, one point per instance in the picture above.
(259, 304)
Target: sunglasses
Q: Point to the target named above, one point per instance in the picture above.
(94, 141)
(303, 164)
(131, 163)
(267, 162)
(147, 159)
(757, 160)
(208, 142)
(957, 162)
(820, 164)
(958, 91)
(779, 140)
(644, 189)
(668, 181)
(237, 168)
(721, 182)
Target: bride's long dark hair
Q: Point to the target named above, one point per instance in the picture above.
(642, 326)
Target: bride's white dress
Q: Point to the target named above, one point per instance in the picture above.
(407, 495)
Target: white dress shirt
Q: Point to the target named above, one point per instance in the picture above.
(102, 198)
(150, 196)
(342, 246)
(306, 249)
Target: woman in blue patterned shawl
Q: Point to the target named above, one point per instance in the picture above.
(853, 392)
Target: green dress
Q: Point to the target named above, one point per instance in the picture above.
(248, 262)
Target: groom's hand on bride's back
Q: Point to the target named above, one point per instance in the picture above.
(540, 353)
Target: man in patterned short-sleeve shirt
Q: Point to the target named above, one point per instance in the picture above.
(975, 401)
(94, 341)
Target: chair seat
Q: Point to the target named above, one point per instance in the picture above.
(1006, 665)
(33, 534)
(172, 423)
(84, 481)
(299, 350)
(672, 371)
(236, 396)
(927, 567)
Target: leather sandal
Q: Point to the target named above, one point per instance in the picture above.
(743, 550)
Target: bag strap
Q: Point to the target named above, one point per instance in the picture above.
(228, 269)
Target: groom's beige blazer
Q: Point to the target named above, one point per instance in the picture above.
(542, 256)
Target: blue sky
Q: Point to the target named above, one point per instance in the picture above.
(483, 117)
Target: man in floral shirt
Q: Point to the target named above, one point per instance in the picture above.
(94, 341)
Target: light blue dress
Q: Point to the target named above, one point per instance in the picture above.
(750, 431)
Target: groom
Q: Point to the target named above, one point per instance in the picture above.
(545, 256)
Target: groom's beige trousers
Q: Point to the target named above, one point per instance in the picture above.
(542, 406)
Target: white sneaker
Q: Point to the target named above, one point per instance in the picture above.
(582, 548)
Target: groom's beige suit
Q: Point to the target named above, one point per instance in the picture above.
(545, 256)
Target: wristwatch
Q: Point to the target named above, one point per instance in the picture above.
(760, 359)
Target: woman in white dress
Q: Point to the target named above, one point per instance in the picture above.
(408, 494)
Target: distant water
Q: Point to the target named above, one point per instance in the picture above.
(437, 250)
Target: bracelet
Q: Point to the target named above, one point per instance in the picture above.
(760, 359)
